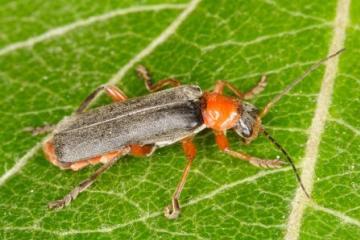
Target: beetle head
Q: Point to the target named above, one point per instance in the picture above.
(249, 124)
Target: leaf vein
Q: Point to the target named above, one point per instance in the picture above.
(59, 31)
(318, 122)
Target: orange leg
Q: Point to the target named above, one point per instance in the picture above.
(110, 159)
(144, 74)
(220, 85)
(141, 151)
(223, 144)
(114, 92)
(259, 87)
(172, 211)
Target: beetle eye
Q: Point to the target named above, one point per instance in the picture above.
(245, 126)
(244, 130)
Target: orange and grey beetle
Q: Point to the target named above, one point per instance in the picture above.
(138, 126)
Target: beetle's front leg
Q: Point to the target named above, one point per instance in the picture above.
(223, 144)
(172, 211)
(144, 74)
(259, 87)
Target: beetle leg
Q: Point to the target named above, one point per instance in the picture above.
(172, 211)
(223, 144)
(163, 83)
(114, 92)
(258, 88)
(141, 151)
(144, 74)
(40, 130)
(112, 158)
(221, 84)
(262, 163)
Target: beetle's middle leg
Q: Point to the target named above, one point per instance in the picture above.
(111, 159)
(172, 211)
(144, 74)
(223, 144)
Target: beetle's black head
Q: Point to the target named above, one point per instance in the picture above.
(249, 124)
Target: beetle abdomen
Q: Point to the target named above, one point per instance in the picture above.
(161, 117)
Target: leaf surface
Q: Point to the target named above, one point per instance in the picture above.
(53, 54)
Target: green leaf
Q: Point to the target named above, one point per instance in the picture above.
(54, 53)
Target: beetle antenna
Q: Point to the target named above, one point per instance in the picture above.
(273, 141)
(296, 81)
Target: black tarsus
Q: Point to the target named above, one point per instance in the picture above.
(272, 140)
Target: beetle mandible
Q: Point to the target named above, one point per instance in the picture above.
(139, 125)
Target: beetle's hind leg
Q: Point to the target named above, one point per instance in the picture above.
(115, 93)
(144, 74)
(111, 90)
(111, 159)
(40, 130)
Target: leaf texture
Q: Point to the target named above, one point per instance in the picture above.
(54, 53)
